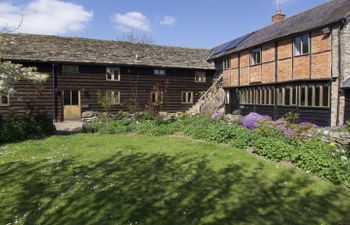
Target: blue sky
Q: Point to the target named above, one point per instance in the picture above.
(188, 23)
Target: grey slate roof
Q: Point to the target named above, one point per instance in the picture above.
(323, 15)
(82, 50)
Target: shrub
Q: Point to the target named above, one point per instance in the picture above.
(319, 157)
(18, 128)
(273, 148)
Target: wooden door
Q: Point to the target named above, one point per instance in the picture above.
(71, 105)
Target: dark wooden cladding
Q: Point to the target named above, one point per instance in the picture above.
(136, 84)
(319, 116)
(347, 105)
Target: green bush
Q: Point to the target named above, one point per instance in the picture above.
(272, 148)
(318, 157)
(18, 128)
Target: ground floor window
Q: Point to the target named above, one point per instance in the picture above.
(227, 97)
(114, 97)
(258, 96)
(157, 97)
(312, 95)
(4, 100)
(187, 97)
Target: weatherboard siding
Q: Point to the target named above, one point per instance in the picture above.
(135, 83)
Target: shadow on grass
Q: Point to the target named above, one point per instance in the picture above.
(161, 189)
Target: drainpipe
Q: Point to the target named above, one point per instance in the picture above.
(54, 91)
(339, 69)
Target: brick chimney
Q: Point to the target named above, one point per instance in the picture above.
(278, 17)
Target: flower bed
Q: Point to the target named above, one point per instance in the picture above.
(276, 140)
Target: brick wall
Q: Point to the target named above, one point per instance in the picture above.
(315, 65)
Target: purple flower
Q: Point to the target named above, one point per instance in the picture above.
(251, 120)
(288, 133)
(281, 128)
(304, 124)
(216, 115)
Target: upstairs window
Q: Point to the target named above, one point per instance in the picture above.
(4, 100)
(227, 63)
(302, 45)
(187, 97)
(114, 97)
(112, 74)
(200, 77)
(159, 72)
(70, 69)
(255, 56)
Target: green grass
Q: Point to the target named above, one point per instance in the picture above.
(132, 179)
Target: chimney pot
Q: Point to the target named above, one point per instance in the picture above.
(278, 16)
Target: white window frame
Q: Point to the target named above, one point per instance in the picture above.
(301, 39)
(115, 96)
(200, 77)
(159, 72)
(227, 97)
(112, 70)
(188, 94)
(253, 56)
(69, 69)
(8, 100)
(227, 63)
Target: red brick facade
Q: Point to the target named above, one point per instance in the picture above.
(314, 65)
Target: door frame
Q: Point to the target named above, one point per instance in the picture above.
(78, 106)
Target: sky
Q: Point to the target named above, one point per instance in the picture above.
(187, 23)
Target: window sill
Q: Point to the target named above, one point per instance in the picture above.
(301, 55)
(258, 64)
(113, 80)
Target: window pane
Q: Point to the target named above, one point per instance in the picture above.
(325, 99)
(294, 95)
(4, 100)
(75, 98)
(309, 96)
(297, 46)
(66, 98)
(287, 96)
(302, 96)
(317, 95)
(280, 96)
(305, 44)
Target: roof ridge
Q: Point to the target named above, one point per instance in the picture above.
(102, 40)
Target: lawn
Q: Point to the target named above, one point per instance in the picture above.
(133, 179)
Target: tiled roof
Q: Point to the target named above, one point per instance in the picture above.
(323, 15)
(82, 50)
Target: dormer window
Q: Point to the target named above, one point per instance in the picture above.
(159, 72)
(70, 69)
(255, 56)
(113, 74)
(302, 45)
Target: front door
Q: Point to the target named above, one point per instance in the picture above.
(71, 105)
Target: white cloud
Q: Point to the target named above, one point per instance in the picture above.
(168, 21)
(132, 20)
(45, 17)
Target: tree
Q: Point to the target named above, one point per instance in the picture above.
(136, 38)
(10, 72)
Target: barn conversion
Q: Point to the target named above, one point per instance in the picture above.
(134, 76)
(297, 64)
